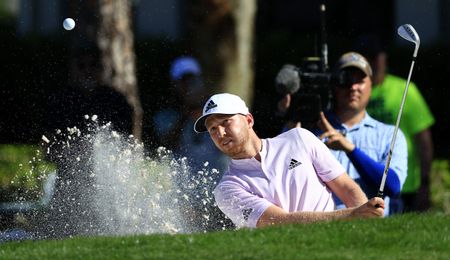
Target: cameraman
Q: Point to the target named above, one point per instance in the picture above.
(359, 142)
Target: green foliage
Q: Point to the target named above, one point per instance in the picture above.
(440, 185)
(22, 171)
(6, 15)
(409, 236)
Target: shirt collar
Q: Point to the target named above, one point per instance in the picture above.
(367, 121)
(251, 163)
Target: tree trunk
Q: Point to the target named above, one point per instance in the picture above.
(116, 44)
(222, 37)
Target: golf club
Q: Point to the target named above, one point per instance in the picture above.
(408, 33)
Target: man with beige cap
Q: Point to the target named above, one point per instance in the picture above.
(359, 142)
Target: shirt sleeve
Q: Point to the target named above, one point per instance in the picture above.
(326, 165)
(372, 172)
(240, 205)
(399, 160)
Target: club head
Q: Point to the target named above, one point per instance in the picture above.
(407, 32)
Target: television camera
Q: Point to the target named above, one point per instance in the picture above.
(309, 84)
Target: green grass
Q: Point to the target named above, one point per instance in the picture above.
(408, 236)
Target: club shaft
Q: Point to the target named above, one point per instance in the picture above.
(394, 136)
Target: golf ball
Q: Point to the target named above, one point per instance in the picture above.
(69, 24)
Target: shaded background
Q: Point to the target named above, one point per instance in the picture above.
(35, 53)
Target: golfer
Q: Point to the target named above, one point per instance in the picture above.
(281, 180)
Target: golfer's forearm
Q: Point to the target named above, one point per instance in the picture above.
(354, 197)
(348, 191)
(275, 216)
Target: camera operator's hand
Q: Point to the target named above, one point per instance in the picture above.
(333, 138)
(283, 105)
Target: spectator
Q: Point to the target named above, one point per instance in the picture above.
(286, 179)
(173, 124)
(415, 123)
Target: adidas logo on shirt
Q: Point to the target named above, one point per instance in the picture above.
(246, 213)
(210, 106)
(294, 163)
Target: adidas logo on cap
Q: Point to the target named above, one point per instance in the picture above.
(210, 106)
(224, 103)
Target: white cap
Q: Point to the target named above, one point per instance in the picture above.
(224, 103)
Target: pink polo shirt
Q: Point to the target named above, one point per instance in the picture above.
(291, 175)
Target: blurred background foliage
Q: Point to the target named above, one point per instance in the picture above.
(440, 186)
(23, 170)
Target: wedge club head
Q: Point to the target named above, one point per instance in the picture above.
(408, 33)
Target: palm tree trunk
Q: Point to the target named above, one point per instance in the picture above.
(222, 37)
(116, 43)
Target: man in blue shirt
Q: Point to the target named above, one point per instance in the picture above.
(359, 142)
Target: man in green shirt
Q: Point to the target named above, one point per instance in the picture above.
(415, 123)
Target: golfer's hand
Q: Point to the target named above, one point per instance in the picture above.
(368, 210)
(332, 138)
